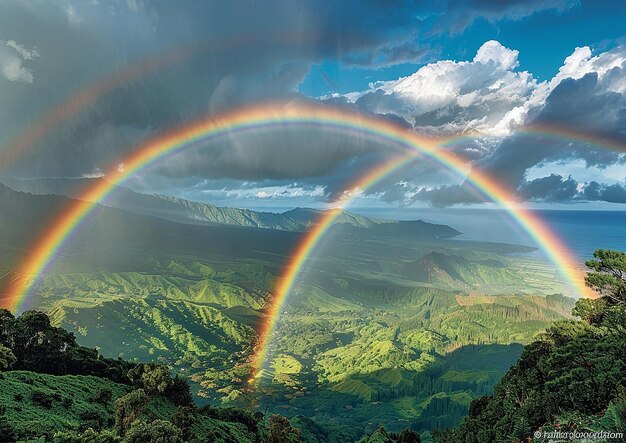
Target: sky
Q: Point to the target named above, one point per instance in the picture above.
(490, 68)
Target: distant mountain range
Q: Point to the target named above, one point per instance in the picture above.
(186, 211)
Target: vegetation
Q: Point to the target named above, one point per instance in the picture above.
(383, 329)
(573, 378)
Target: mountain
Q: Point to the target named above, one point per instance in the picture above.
(177, 209)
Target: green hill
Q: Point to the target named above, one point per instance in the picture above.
(459, 272)
(570, 381)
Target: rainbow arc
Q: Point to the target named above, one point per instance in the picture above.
(275, 116)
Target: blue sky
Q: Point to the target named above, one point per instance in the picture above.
(544, 39)
(492, 68)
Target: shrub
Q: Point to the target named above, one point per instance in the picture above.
(161, 431)
(92, 418)
(184, 419)
(7, 433)
(179, 392)
(104, 396)
(89, 436)
(43, 399)
(128, 408)
(7, 359)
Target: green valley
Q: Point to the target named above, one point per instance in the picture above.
(393, 324)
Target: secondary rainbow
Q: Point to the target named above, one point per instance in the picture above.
(276, 115)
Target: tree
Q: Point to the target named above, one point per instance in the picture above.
(179, 392)
(161, 431)
(151, 377)
(575, 370)
(7, 359)
(184, 419)
(280, 431)
(608, 276)
(128, 409)
(409, 436)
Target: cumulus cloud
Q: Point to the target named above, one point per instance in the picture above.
(587, 97)
(454, 96)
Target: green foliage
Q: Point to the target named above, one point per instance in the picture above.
(590, 310)
(574, 378)
(155, 379)
(42, 399)
(38, 346)
(179, 392)
(281, 431)
(7, 432)
(247, 418)
(609, 275)
(184, 419)
(151, 377)
(382, 436)
(409, 436)
(89, 436)
(7, 359)
(104, 396)
(129, 408)
(157, 431)
(68, 403)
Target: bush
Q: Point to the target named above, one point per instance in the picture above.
(280, 431)
(151, 377)
(92, 418)
(184, 419)
(104, 396)
(7, 433)
(128, 408)
(179, 392)
(248, 419)
(89, 436)
(7, 359)
(40, 398)
(161, 431)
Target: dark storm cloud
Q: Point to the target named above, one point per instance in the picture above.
(615, 193)
(550, 189)
(240, 51)
(442, 196)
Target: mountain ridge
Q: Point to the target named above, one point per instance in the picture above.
(187, 211)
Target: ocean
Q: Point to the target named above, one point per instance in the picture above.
(583, 231)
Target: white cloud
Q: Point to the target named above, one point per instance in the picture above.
(268, 192)
(575, 66)
(455, 95)
(12, 58)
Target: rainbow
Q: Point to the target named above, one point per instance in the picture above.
(276, 115)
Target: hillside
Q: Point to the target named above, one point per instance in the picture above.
(570, 381)
(86, 402)
(456, 271)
